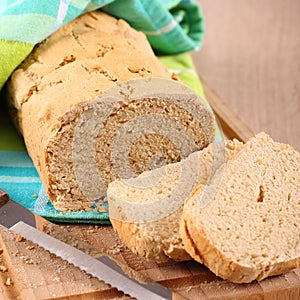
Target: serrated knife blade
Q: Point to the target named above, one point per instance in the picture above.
(22, 221)
(103, 268)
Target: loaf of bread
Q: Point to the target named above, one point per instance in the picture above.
(245, 224)
(95, 104)
(146, 211)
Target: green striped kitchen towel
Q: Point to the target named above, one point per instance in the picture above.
(172, 26)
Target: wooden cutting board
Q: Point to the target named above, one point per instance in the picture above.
(49, 277)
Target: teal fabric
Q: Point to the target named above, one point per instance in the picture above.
(19, 178)
(170, 26)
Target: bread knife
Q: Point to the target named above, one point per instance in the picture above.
(22, 221)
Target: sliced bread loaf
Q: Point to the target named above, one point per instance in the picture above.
(145, 211)
(94, 104)
(245, 225)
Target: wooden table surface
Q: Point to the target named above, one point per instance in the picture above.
(251, 58)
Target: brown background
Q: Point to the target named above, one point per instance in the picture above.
(251, 58)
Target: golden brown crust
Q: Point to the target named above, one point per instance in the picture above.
(140, 245)
(184, 233)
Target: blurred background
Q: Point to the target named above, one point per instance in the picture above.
(251, 59)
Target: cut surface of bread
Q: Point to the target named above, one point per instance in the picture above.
(245, 225)
(94, 104)
(146, 210)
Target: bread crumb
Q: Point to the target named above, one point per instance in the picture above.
(174, 76)
(8, 282)
(115, 249)
(29, 262)
(19, 238)
(102, 209)
(30, 247)
(3, 268)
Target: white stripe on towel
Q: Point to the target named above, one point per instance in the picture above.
(61, 14)
(165, 29)
(16, 179)
(177, 72)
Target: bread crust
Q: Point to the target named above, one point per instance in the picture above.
(148, 244)
(184, 233)
(203, 243)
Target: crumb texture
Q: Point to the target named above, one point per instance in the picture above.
(158, 238)
(249, 228)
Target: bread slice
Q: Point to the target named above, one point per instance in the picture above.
(145, 211)
(245, 225)
(94, 104)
